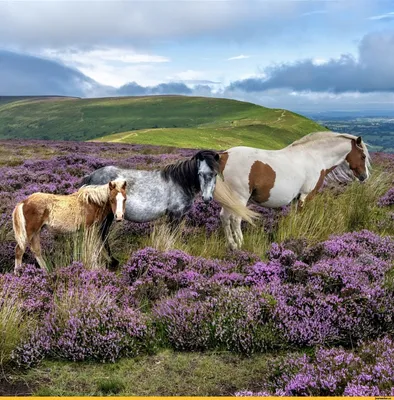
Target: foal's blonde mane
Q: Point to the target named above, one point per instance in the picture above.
(97, 194)
(342, 171)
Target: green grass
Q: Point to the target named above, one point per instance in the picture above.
(15, 326)
(331, 213)
(167, 373)
(180, 121)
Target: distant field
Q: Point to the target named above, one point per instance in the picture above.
(164, 120)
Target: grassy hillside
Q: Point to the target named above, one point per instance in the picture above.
(165, 120)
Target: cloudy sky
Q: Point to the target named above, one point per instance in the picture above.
(301, 55)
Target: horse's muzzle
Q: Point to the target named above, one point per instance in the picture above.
(119, 218)
(207, 199)
(362, 177)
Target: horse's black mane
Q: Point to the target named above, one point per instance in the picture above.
(184, 172)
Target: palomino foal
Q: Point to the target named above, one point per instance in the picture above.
(274, 178)
(64, 214)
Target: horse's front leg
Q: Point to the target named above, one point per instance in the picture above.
(104, 231)
(174, 220)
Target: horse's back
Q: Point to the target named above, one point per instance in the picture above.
(101, 176)
(270, 177)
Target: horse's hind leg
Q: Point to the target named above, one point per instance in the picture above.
(35, 246)
(19, 251)
(226, 222)
(301, 201)
(236, 229)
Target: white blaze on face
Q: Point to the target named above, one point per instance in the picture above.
(119, 206)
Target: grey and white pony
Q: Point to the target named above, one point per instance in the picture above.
(169, 191)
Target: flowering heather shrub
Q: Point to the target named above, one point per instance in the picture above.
(153, 273)
(7, 256)
(129, 228)
(31, 286)
(242, 321)
(208, 216)
(204, 215)
(241, 258)
(270, 216)
(89, 315)
(185, 320)
(332, 301)
(86, 323)
(387, 199)
(384, 160)
(369, 371)
(235, 319)
(355, 243)
(33, 349)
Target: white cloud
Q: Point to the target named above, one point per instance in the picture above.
(240, 57)
(60, 24)
(187, 75)
(111, 66)
(306, 14)
(93, 56)
(389, 15)
(119, 76)
(312, 101)
(319, 61)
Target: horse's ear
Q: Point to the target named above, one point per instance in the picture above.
(111, 185)
(217, 157)
(359, 140)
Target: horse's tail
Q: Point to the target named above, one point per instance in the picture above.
(19, 225)
(225, 197)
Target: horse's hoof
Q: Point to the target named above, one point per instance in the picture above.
(113, 264)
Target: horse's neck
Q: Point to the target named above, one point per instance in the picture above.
(331, 154)
(185, 176)
(96, 213)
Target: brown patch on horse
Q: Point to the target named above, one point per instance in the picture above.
(223, 161)
(261, 181)
(319, 184)
(93, 213)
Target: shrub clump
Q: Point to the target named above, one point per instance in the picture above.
(368, 371)
(235, 319)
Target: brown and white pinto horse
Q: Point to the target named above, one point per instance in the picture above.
(64, 214)
(273, 178)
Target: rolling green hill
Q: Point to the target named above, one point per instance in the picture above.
(180, 121)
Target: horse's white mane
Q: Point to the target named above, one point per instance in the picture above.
(342, 172)
(97, 194)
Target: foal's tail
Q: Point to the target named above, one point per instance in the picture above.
(19, 225)
(225, 197)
